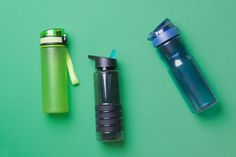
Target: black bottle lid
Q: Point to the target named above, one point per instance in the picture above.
(103, 62)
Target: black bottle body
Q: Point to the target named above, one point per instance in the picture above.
(187, 74)
(108, 108)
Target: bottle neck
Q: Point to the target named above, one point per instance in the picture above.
(53, 40)
(172, 49)
(105, 68)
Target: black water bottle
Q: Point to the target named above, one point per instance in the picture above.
(107, 99)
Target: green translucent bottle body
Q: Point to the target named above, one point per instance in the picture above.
(54, 79)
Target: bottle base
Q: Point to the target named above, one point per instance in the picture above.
(110, 136)
(206, 106)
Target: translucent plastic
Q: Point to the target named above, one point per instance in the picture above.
(192, 83)
(107, 94)
(187, 75)
(166, 38)
(54, 79)
(107, 86)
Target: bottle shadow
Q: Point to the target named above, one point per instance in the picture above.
(212, 113)
(58, 116)
(118, 144)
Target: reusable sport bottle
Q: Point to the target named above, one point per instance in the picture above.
(182, 66)
(55, 59)
(107, 99)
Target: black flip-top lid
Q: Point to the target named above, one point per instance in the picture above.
(103, 62)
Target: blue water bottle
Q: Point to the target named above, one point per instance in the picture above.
(182, 66)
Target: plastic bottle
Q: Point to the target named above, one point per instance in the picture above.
(107, 98)
(54, 61)
(182, 66)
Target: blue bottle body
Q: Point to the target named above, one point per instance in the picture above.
(192, 83)
(182, 67)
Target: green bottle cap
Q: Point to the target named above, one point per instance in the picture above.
(54, 32)
(53, 36)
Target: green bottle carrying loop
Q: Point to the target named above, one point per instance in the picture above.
(55, 61)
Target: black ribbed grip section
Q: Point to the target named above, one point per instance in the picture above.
(108, 118)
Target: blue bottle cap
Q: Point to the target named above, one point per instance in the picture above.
(113, 54)
(163, 33)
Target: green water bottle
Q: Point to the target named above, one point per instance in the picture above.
(55, 59)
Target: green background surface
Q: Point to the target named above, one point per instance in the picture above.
(157, 120)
